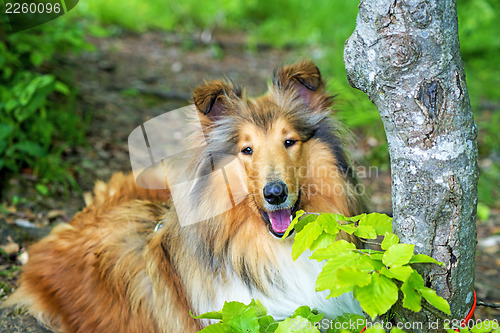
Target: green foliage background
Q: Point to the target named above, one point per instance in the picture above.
(37, 116)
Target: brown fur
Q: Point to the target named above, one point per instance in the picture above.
(108, 271)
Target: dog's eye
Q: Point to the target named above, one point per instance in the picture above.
(247, 151)
(289, 143)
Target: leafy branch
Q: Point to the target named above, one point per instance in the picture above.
(370, 274)
(242, 318)
(374, 276)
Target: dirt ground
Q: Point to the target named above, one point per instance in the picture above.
(134, 78)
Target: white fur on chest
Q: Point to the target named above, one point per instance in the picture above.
(300, 278)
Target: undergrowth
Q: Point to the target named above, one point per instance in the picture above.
(37, 117)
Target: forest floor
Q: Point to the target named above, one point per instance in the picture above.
(132, 78)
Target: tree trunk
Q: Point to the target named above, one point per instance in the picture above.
(406, 56)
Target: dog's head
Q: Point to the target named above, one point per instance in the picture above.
(278, 139)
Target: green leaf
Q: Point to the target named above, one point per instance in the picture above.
(61, 88)
(305, 238)
(232, 309)
(345, 279)
(292, 224)
(10, 105)
(27, 94)
(349, 228)
(381, 222)
(412, 298)
(357, 218)
(327, 275)
(208, 315)
(28, 147)
(297, 324)
(401, 273)
(298, 223)
(7, 72)
(350, 276)
(339, 218)
(305, 220)
(216, 328)
(336, 289)
(245, 322)
(323, 241)
(34, 96)
(365, 231)
(306, 312)
(352, 321)
(260, 309)
(329, 223)
(36, 58)
(42, 189)
(364, 264)
(333, 250)
(436, 301)
(5, 131)
(267, 324)
(373, 254)
(237, 314)
(422, 258)
(299, 214)
(389, 240)
(36, 84)
(377, 297)
(399, 254)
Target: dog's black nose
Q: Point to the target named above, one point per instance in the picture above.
(275, 193)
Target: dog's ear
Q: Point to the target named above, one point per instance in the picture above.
(305, 79)
(213, 99)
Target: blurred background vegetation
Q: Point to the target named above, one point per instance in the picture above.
(38, 120)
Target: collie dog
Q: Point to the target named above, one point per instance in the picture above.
(112, 269)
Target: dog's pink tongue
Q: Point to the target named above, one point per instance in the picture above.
(280, 220)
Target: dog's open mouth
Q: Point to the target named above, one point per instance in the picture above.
(279, 220)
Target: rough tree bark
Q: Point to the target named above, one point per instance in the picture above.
(405, 55)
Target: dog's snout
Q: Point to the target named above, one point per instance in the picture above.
(275, 193)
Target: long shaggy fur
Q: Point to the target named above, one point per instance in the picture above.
(110, 271)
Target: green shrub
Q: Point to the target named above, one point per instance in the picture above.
(37, 120)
